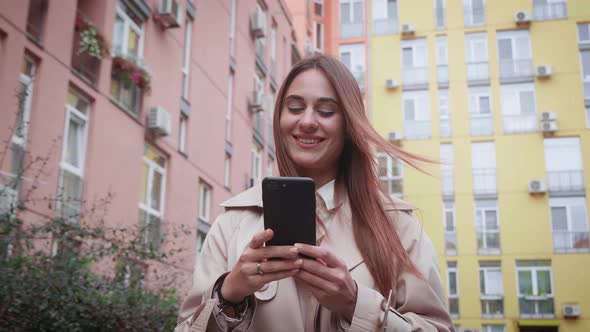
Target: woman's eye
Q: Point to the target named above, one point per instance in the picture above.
(325, 113)
(295, 109)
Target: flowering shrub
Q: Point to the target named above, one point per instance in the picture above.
(91, 41)
(127, 70)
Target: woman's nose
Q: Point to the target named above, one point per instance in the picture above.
(308, 120)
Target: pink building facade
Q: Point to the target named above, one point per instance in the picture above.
(173, 119)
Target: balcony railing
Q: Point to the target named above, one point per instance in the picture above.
(516, 68)
(478, 71)
(416, 129)
(488, 242)
(484, 181)
(351, 30)
(451, 243)
(385, 26)
(492, 306)
(550, 11)
(447, 182)
(565, 241)
(442, 74)
(415, 75)
(565, 181)
(481, 124)
(536, 308)
(444, 127)
(520, 123)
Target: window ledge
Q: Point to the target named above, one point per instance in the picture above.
(133, 116)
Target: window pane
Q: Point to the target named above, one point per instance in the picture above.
(346, 59)
(484, 105)
(584, 32)
(482, 281)
(559, 218)
(525, 283)
(382, 162)
(133, 44)
(407, 59)
(585, 57)
(491, 221)
(527, 102)
(449, 221)
(144, 181)
(452, 283)
(544, 282)
(579, 218)
(494, 285)
(156, 191)
(118, 39)
(505, 46)
(409, 111)
(358, 12)
(72, 154)
(344, 12)
(71, 194)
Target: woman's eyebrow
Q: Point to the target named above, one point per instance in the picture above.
(294, 97)
(320, 100)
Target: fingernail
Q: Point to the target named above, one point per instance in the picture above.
(294, 250)
(299, 262)
(298, 245)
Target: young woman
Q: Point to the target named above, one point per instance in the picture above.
(373, 267)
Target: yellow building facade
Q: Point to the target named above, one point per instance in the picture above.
(499, 91)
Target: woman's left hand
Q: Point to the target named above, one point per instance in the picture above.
(328, 279)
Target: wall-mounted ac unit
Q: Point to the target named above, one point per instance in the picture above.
(548, 126)
(258, 24)
(408, 29)
(256, 101)
(543, 71)
(537, 186)
(548, 116)
(169, 14)
(159, 121)
(571, 310)
(522, 16)
(394, 136)
(390, 83)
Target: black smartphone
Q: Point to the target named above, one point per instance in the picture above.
(289, 210)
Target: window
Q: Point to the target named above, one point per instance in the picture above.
(549, 9)
(318, 7)
(182, 134)
(453, 288)
(583, 33)
(36, 19)
(127, 51)
(474, 12)
(273, 51)
(186, 62)
(271, 112)
(450, 228)
(585, 64)
(446, 169)
(353, 57)
(477, 57)
(258, 116)
(491, 289)
(269, 167)
(493, 328)
(71, 175)
(351, 18)
(442, 61)
(228, 110)
(514, 53)
(444, 113)
(563, 163)
(390, 174)
(256, 166)
(385, 16)
(151, 206)
(483, 162)
(416, 114)
(318, 37)
(260, 42)
(481, 119)
(227, 171)
(535, 289)
(439, 14)
(518, 108)
(487, 227)
(414, 62)
(569, 224)
(205, 202)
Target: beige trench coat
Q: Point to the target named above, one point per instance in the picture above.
(419, 305)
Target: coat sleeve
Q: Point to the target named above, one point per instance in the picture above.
(212, 264)
(420, 303)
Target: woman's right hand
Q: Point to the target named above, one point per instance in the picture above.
(254, 268)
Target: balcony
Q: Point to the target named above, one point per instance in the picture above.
(488, 242)
(550, 11)
(481, 124)
(385, 26)
(568, 181)
(516, 70)
(415, 77)
(492, 306)
(351, 29)
(417, 129)
(536, 307)
(567, 242)
(451, 243)
(444, 127)
(86, 57)
(520, 123)
(442, 75)
(478, 73)
(484, 181)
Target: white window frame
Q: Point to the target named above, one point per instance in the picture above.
(535, 296)
(321, 3)
(438, 24)
(357, 61)
(453, 269)
(585, 78)
(552, 15)
(469, 15)
(487, 296)
(419, 49)
(525, 59)
(483, 164)
(418, 127)
(227, 171)
(515, 120)
(390, 177)
(564, 164)
(442, 59)
(182, 126)
(351, 12)
(228, 110)
(318, 45)
(256, 163)
(569, 203)
(493, 328)
(481, 209)
(447, 169)
(449, 207)
(581, 26)
(205, 191)
(444, 113)
(128, 23)
(153, 167)
(27, 81)
(187, 59)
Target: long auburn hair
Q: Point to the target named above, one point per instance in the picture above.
(375, 236)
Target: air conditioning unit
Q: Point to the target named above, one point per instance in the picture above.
(258, 24)
(548, 126)
(159, 121)
(408, 29)
(548, 116)
(543, 71)
(394, 136)
(390, 83)
(256, 101)
(537, 186)
(571, 310)
(522, 16)
(8, 199)
(169, 14)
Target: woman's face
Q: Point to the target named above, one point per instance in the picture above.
(312, 126)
